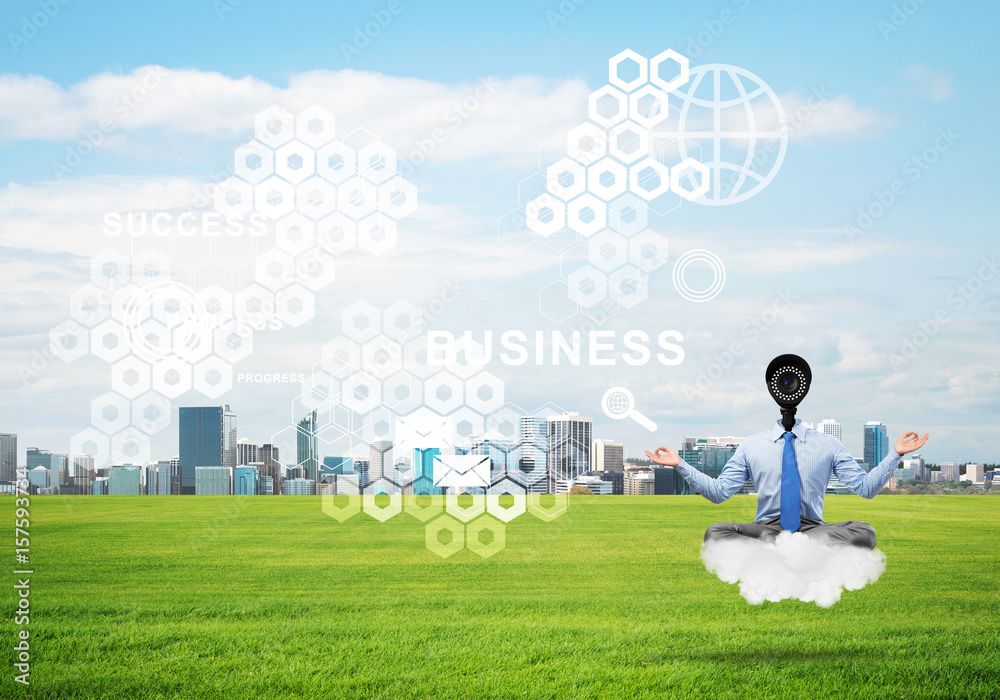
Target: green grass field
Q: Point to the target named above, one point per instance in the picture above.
(267, 597)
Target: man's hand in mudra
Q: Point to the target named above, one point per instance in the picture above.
(667, 457)
(908, 442)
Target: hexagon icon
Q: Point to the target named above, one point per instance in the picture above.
(130, 445)
(109, 341)
(213, 377)
(150, 266)
(69, 341)
(254, 301)
(130, 377)
(587, 214)
(342, 506)
(340, 355)
(397, 197)
(316, 197)
(233, 342)
(545, 214)
(465, 506)
(443, 392)
(628, 142)
(254, 162)
(110, 412)
(294, 305)
(668, 70)
(377, 162)
(484, 392)
(485, 536)
(586, 143)
(122, 302)
(361, 392)
(90, 305)
(217, 303)
(382, 500)
(445, 536)
(294, 234)
(275, 269)
(403, 393)
(607, 250)
(357, 197)
(547, 506)
(607, 178)
(315, 126)
(377, 233)
(402, 321)
(359, 317)
(566, 179)
(234, 198)
(336, 234)
(628, 70)
(513, 231)
(171, 377)
(648, 106)
(628, 214)
(274, 197)
(93, 442)
(467, 422)
(336, 162)
(587, 286)
(649, 178)
(109, 269)
(274, 126)
(294, 162)
(315, 270)
(648, 250)
(628, 286)
(506, 499)
(151, 412)
(687, 170)
(423, 507)
(607, 106)
(381, 356)
(555, 301)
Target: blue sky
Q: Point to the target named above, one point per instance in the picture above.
(894, 91)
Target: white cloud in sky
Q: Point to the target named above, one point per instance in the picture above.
(927, 83)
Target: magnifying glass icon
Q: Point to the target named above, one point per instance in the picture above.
(618, 403)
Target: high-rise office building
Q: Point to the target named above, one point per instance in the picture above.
(916, 463)
(8, 457)
(213, 481)
(379, 461)
(300, 487)
(362, 467)
(247, 452)
(570, 437)
(306, 446)
(207, 439)
(158, 478)
(124, 481)
(876, 443)
(423, 471)
(608, 456)
(950, 471)
(245, 481)
(39, 478)
(337, 465)
(667, 481)
(44, 458)
(709, 455)
(974, 473)
(831, 427)
(83, 473)
(503, 453)
(640, 483)
(270, 457)
(533, 452)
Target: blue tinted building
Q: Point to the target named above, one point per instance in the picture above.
(423, 471)
(245, 481)
(876, 443)
(338, 465)
(207, 439)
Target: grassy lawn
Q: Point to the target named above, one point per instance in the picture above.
(261, 597)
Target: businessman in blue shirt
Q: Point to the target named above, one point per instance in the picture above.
(791, 470)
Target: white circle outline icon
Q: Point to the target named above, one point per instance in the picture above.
(718, 269)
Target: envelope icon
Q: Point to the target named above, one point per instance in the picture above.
(462, 471)
(422, 430)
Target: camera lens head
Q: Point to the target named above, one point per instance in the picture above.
(788, 378)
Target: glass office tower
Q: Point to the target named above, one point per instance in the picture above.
(876, 443)
(207, 439)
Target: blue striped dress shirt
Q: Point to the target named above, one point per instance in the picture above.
(818, 455)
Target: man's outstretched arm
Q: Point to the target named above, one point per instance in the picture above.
(868, 485)
(733, 476)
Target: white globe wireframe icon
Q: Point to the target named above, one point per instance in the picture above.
(732, 122)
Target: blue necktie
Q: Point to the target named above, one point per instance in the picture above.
(790, 514)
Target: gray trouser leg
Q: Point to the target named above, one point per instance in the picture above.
(852, 532)
(764, 530)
